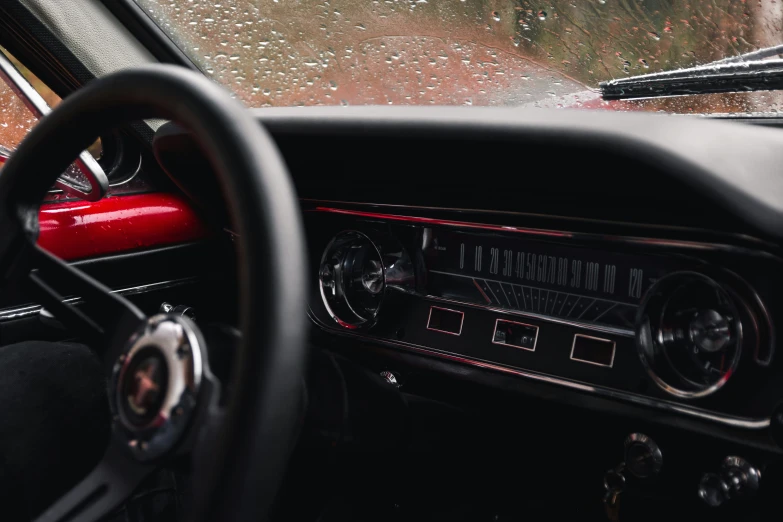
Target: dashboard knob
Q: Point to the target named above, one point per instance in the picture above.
(710, 331)
(643, 457)
(737, 478)
(713, 490)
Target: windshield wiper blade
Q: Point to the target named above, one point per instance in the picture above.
(748, 72)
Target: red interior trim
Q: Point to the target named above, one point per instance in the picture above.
(443, 222)
(113, 225)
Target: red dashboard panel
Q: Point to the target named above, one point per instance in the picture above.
(113, 225)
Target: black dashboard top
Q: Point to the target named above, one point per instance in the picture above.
(650, 169)
(735, 165)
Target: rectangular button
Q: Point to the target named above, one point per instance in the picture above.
(593, 350)
(445, 321)
(518, 335)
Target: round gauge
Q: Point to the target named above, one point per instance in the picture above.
(689, 334)
(352, 279)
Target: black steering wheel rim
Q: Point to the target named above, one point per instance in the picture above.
(251, 445)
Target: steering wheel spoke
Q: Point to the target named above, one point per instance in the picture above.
(103, 489)
(85, 306)
(161, 392)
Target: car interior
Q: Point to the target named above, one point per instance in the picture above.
(233, 307)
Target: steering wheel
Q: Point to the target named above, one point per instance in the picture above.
(162, 395)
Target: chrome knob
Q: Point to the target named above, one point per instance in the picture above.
(182, 310)
(737, 478)
(713, 490)
(390, 378)
(710, 331)
(643, 457)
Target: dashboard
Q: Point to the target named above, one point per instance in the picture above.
(677, 325)
(619, 256)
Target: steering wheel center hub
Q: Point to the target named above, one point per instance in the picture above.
(155, 385)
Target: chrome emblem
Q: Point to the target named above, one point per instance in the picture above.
(144, 390)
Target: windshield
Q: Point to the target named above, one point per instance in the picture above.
(466, 52)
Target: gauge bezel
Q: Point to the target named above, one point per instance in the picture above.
(363, 323)
(648, 365)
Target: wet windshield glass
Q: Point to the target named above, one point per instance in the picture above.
(466, 52)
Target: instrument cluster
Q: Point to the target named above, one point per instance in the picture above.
(674, 324)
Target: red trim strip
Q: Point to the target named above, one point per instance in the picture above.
(442, 222)
(113, 225)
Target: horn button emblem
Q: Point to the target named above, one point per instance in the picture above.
(144, 386)
(155, 385)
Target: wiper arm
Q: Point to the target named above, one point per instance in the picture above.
(746, 72)
(767, 52)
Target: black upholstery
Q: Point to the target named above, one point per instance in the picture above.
(54, 422)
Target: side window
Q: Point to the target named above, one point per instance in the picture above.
(16, 119)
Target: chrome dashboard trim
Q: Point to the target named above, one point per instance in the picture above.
(88, 166)
(130, 177)
(20, 312)
(648, 365)
(509, 213)
(532, 315)
(461, 321)
(585, 361)
(728, 420)
(519, 347)
(648, 242)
